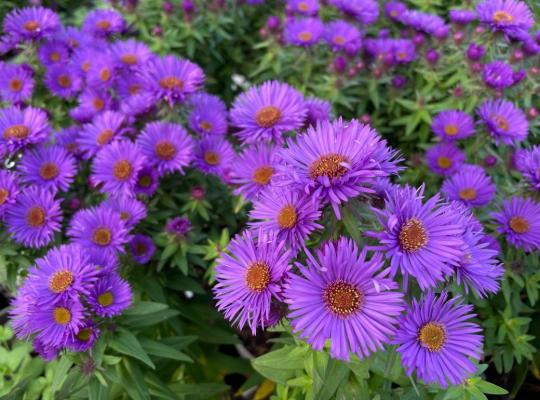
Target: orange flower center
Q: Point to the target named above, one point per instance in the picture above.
(262, 175)
(145, 181)
(122, 170)
(433, 336)
(84, 334)
(502, 17)
(501, 122)
(287, 217)
(467, 194)
(303, 6)
(55, 56)
(31, 26)
(339, 39)
(17, 132)
(62, 315)
(211, 158)
(257, 276)
(267, 116)
(64, 81)
(171, 83)
(98, 104)
(329, 165)
(3, 195)
(60, 281)
(305, 36)
(519, 224)
(413, 235)
(105, 74)
(444, 162)
(134, 89)
(15, 85)
(102, 236)
(104, 137)
(86, 66)
(165, 150)
(103, 24)
(128, 59)
(451, 129)
(205, 126)
(342, 298)
(35, 216)
(105, 299)
(48, 171)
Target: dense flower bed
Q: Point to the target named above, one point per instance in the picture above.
(298, 199)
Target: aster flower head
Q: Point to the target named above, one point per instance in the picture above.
(394, 9)
(498, 75)
(341, 35)
(65, 272)
(103, 71)
(50, 167)
(91, 103)
(404, 51)
(85, 338)
(249, 276)
(254, 170)
(167, 146)
(504, 122)
(341, 297)
(336, 161)
(22, 127)
(437, 340)
(16, 83)
(178, 227)
(265, 112)
(53, 52)
(304, 7)
(34, 218)
(98, 229)
(453, 125)
(303, 31)
(421, 238)
(208, 115)
(9, 188)
(290, 215)
(511, 17)
(364, 11)
(471, 186)
(462, 17)
(317, 110)
(104, 129)
(171, 79)
(110, 296)
(116, 167)
(67, 139)
(103, 23)
(47, 353)
(130, 54)
(445, 158)
(428, 23)
(63, 81)
(142, 248)
(131, 210)
(528, 163)
(518, 220)
(213, 155)
(104, 262)
(147, 181)
(30, 23)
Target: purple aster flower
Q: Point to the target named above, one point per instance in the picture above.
(479, 269)
(471, 186)
(104, 129)
(67, 138)
(102, 23)
(394, 9)
(336, 161)
(265, 112)
(30, 23)
(381, 49)
(47, 353)
(305, 7)
(498, 75)
(518, 221)
(404, 51)
(84, 339)
(342, 298)
(453, 125)
(364, 11)
(137, 105)
(103, 71)
(83, 58)
(171, 79)
(73, 38)
(105, 262)
(505, 122)
(462, 17)
(528, 163)
(436, 340)
(399, 81)
(142, 248)
(249, 276)
(63, 80)
(65, 272)
(110, 296)
(253, 171)
(49, 167)
(167, 146)
(303, 32)
(511, 17)
(289, 214)
(56, 322)
(341, 35)
(445, 158)
(213, 154)
(178, 227)
(429, 23)
(53, 52)
(130, 53)
(422, 239)
(317, 110)
(475, 52)
(131, 210)
(20, 128)
(208, 115)
(34, 218)
(116, 167)
(147, 181)
(9, 188)
(22, 306)
(98, 229)
(16, 83)
(91, 103)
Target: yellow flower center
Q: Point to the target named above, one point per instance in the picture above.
(171, 82)
(502, 17)
(55, 56)
(501, 122)
(262, 175)
(60, 281)
(329, 165)
(467, 194)
(211, 158)
(451, 129)
(84, 334)
(287, 217)
(413, 235)
(102, 236)
(267, 116)
(444, 162)
(122, 170)
(433, 336)
(342, 298)
(519, 224)
(257, 276)
(62, 315)
(105, 299)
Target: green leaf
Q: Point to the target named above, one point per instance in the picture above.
(127, 343)
(162, 350)
(490, 388)
(198, 390)
(281, 365)
(132, 380)
(145, 307)
(60, 373)
(336, 373)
